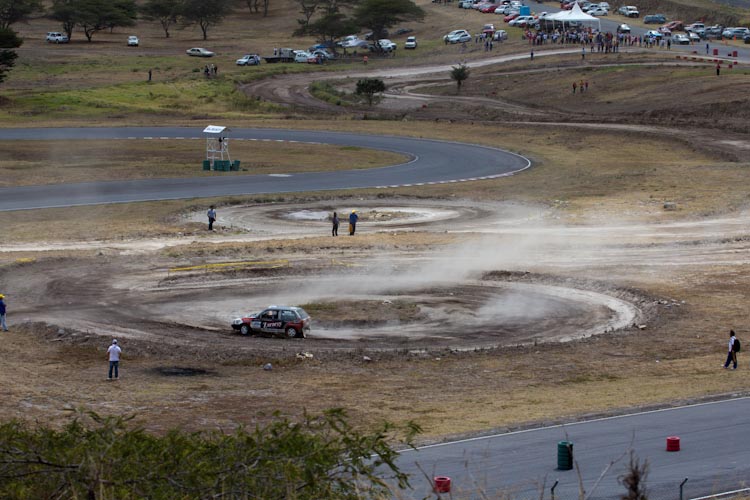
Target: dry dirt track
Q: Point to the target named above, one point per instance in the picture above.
(510, 282)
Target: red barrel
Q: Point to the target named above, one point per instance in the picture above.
(673, 443)
(716, 52)
(442, 484)
(734, 53)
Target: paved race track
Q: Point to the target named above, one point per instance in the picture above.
(432, 162)
(714, 445)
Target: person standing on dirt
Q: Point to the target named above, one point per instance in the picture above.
(211, 217)
(733, 348)
(113, 353)
(335, 228)
(3, 324)
(353, 218)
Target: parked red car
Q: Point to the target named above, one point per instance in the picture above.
(510, 17)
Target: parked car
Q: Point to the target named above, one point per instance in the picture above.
(664, 31)
(746, 38)
(249, 60)
(653, 34)
(324, 54)
(457, 36)
(133, 41)
(511, 16)
(629, 11)
(675, 26)
(604, 5)
(289, 321)
(489, 9)
(303, 56)
(410, 43)
(524, 22)
(735, 33)
(349, 41)
(655, 19)
(714, 31)
(500, 35)
(681, 39)
(694, 37)
(57, 37)
(488, 29)
(696, 28)
(386, 45)
(598, 11)
(199, 52)
(403, 31)
(623, 28)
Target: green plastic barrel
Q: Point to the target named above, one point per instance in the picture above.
(206, 164)
(564, 455)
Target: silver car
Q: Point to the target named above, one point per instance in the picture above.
(199, 52)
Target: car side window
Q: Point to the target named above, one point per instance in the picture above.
(288, 316)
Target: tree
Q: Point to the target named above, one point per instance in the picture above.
(308, 10)
(330, 28)
(65, 12)
(205, 13)
(369, 87)
(8, 40)
(13, 11)
(378, 15)
(254, 6)
(96, 15)
(93, 15)
(164, 11)
(459, 74)
(107, 457)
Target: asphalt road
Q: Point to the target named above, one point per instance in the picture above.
(432, 162)
(714, 456)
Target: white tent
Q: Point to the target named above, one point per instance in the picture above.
(573, 15)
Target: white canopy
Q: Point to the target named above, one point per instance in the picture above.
(214, 129)
(573, 15)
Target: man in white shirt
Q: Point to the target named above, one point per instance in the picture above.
(732, 355)
(114, 359)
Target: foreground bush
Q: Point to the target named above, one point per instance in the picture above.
(97, 457)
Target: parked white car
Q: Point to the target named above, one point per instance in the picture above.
(500, 35)
(598, 12)
(386, 45)
(302, 56)
(457, 36)
(350, 41)
(411, 43)
(249, 60)
(57, 37)
(133, 41)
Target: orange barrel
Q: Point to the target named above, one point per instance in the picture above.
(673, 443)
(442, 484)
